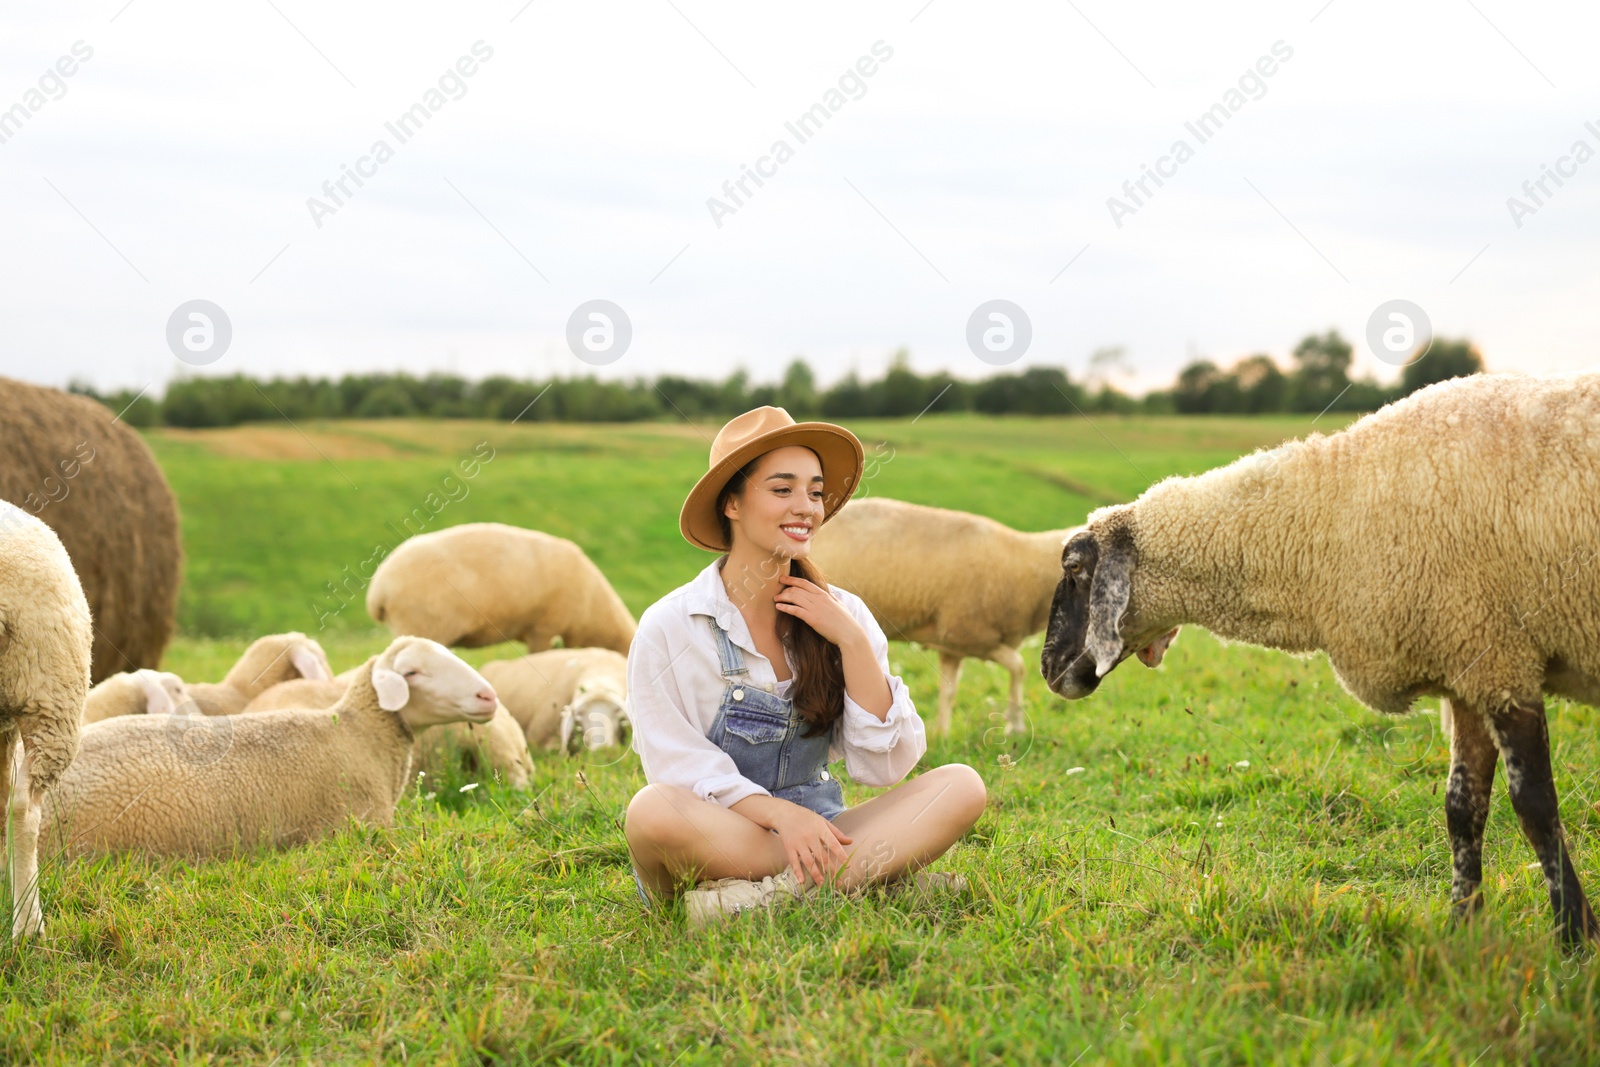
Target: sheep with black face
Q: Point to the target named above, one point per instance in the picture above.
(1444, 546)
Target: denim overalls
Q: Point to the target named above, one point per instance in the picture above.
(763, 734)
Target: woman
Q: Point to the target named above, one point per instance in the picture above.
(745, 683)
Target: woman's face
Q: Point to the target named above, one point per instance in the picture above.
(780, 507)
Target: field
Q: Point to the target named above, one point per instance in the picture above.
(1226, 860)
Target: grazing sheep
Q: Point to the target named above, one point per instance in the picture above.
(140, 692)
(499, 745)
(198, 786)
(268, 661)
(567, 698)
(484, 582)
(962, 584)
(1443, 546)
(66, 461)
(45, 649)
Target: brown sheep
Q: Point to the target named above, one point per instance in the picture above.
(93, 480)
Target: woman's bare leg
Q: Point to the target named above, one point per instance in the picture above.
(672, 833)
(911, 825)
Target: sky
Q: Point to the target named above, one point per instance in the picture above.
(561, 153)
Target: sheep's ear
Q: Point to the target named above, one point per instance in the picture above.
(1108, 601)
(157, 701)
(305, 660)
(392, 690)
(569, 721)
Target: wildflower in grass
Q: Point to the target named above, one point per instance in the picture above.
(469, 787)
(1005, 760)
(1074, 770)
(1243, 765)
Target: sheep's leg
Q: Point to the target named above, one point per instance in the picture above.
(1466, 801)
(26, 809)
(949, 679)
(1524, 740)
(1011, 660)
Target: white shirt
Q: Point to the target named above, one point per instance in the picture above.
(675, 688)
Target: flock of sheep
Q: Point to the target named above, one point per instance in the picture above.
(1441, 547)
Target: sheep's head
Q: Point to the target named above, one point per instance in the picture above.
(596, 718)
(164, 692)
(279, 658)
(1090, 630)
(428, 684)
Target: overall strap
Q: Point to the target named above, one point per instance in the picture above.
(727, 652)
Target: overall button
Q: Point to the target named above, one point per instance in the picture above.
(825, 776)
(738, 694)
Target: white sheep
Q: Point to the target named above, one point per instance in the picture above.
(1443, 546)
(45, 642)
(482, 583)
(140, 692)
(962, 584)
(498, 746)
(567, 698)
(268, 661)
(195, 785)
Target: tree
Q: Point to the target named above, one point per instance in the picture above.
(799, 389)
(1441, 362)
(1323, 370)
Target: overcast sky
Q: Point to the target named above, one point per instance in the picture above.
(975, 162)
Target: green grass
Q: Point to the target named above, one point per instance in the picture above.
(1249, 868)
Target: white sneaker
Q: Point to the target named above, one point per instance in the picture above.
(711, 902)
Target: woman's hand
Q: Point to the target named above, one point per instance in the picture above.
(816, 606)
(814, 846)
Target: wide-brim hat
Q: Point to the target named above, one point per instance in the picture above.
(756, 433)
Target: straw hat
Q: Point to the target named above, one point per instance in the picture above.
(753, 434)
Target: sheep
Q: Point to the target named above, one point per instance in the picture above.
(268, 661)
(200, 786)
(92, 479)
(46, 647)
(1442, 546)
(140, 692)
(483, 583)
(500, 744)
(566, 698)
(962, 584)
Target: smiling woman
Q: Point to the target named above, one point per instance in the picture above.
(746, 683)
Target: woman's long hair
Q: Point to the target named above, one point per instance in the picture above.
(818, 689)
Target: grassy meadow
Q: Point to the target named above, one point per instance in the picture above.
(1226, 860)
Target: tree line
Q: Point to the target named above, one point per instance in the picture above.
(1319, 380)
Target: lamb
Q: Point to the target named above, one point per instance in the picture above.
(140, 692)
(566, 698)
(483, 583)
(1442, 546)
(200, 786)
(962, 584)
(268, 661)
(46, 647)
(499, 745)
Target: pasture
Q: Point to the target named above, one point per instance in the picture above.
(1226, 860)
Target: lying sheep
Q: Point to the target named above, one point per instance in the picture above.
(140, 692)
(45, 648)
(567, 698)
(268, 661)
(961, 584)
(498, 746)
(1443, 546)
(269, 778)
(483, 583)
